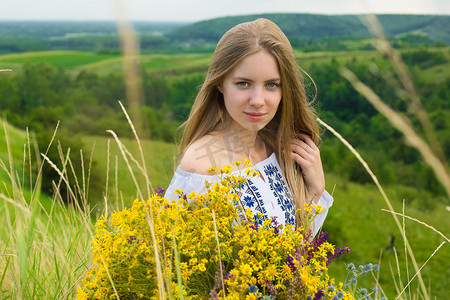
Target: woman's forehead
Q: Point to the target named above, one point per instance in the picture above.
(261, 64)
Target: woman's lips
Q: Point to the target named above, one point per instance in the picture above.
(255, 116)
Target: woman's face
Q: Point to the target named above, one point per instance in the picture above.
(252, 91)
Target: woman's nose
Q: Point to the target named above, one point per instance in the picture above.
(257, 97)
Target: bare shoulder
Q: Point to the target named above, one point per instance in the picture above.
(201, 155)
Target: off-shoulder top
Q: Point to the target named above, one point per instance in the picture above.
(267, 194)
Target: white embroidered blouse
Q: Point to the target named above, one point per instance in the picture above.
(267, 194)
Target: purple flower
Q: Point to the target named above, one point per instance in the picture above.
(229, 276)
(213, 294)
(337, 253)
(131, 239)
(319, 295)
(290, 262)
(160, 191)
(218, 278)
(254, 227)
(271, 287)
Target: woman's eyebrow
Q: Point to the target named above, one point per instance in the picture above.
(241, 78)
(247, 79)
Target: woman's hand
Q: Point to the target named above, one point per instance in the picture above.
(307, 155)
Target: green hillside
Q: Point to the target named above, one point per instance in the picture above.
(159, 158)
(315, 27)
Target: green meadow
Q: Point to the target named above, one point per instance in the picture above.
(104, 63)
(64, 59)
(182, 64)
(166, 63)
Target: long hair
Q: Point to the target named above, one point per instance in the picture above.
(294, 115)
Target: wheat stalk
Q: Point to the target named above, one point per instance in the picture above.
(415, 105)
(385, 197)
(420, 222)
(418, 271)
(403, 126)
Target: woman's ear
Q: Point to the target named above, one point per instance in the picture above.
(219, 87)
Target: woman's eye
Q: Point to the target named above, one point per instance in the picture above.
(272, 85)
(242, 84)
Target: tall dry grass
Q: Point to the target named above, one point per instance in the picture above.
(44, 249)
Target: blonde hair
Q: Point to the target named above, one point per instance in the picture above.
(295, 114)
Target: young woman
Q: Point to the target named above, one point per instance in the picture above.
(253, 105)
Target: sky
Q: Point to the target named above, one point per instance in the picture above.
(197, 10)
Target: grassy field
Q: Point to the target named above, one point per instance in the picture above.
(356, 220)
(65, 59)
(105, 63)
(159, 159)
(181, 65)
(161, 62)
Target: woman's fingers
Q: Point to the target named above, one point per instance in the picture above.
(307, 155)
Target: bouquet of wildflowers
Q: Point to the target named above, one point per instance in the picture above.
(203, 247)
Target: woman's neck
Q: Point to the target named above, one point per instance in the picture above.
(240, 143)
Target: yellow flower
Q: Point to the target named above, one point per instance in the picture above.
(237, 163)
(202, 267)
(227, 169)
(251, 173)
(234, 272)
(318, 209)
(249, 214)
(271, 272)
(192, 195)
(250, 296)
(286, 270)
(246, 269)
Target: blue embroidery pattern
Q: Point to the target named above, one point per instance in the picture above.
(252, 199)
(280, 191)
